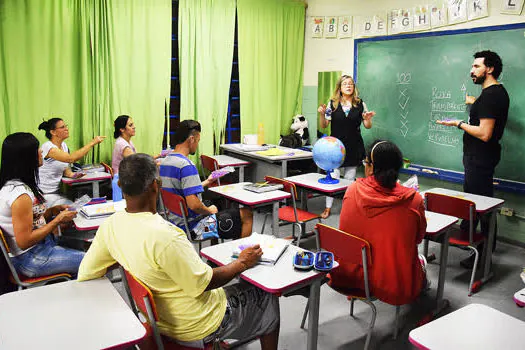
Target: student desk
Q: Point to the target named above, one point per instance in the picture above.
(225, 161)
(68, 315)
(267, 165)
(83, 223)
(277, 279)
(438, 224)
(93, 178)
(484, 206)
(236, 193)
(474, 326)
(309, 182)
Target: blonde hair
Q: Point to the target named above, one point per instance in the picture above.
(336, 97)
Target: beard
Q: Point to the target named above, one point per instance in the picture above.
(478, 80)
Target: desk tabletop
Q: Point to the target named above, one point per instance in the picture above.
(310, 180)
(237, 193)
(483, 203)
(83, 223)
(474, 326)
(291, 153)
(276, 279)
(67, 315)
(438, 222)
(89, 177)
(225, 160)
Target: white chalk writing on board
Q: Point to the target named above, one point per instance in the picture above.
(442, 107)
(405, 79)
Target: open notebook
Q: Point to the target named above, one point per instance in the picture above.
(272, 247)
(103, 209)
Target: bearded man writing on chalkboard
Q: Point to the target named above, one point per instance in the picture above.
(482, 132)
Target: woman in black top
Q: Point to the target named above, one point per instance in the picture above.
(346, 112)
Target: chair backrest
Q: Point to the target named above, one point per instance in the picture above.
(287, 185)
(347, 247)
(107, 168)
(448, 205)
(5, 252)
(177, 205)
(210, 164)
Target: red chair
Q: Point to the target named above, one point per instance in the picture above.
(210, 164)
(107, 168)
(26, 282)
(353, 250)
(141, 299)
(177, 205)
(291, 214)
(462, 209)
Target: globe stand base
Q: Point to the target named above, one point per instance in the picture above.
(328, 180)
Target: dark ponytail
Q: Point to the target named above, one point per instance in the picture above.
(49, 125)
(386, 159)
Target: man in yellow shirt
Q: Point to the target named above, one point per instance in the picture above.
(192, 306)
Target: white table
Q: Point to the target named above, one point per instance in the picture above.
(236, 193)
(268, 165)
(438, 224)
(485, 206)
(68, 315)
(310, 182)
(278, 279)
(474, 326)
(83, 223)
(93, 177)
(224, 161)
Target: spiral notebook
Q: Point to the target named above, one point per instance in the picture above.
(262, 187)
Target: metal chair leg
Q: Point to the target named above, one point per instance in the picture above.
(474, 268)
(264, 222)
(305, 313)
(372, 323)
(300, 232)
(396, 323)
(425, 247)
(352, 307)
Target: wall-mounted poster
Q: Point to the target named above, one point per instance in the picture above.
(421, 17)
(477, 9)
(330, 27)
(345, 27)
(457, 11)
(317, 27)
(512, 7)
(438, 15)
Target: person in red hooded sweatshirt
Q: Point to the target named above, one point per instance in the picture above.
(391, 218)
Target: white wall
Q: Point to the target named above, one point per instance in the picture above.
(338, 54)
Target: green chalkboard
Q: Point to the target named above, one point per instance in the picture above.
(413, 80)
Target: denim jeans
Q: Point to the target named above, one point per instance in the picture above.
(47, 258)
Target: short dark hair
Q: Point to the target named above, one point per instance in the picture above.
(136, 173)
(49, 125)
(387, 159)
(20, 161)
(120, 123)
(491, 59)
(186, 129)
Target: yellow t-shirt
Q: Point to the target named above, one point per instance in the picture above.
(159, 254)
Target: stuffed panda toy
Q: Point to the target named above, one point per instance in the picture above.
(300, 136)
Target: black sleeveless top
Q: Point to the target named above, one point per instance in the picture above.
(348, 130)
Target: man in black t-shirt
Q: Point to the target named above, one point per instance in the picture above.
(484, 129)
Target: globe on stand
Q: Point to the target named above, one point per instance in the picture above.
(329, 153)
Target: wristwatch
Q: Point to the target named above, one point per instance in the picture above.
(459, 124)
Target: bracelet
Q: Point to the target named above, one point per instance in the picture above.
(459, 124)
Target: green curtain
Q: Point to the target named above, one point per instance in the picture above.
(87, 62)
(325, 88)
(271, 49)
(206, 38)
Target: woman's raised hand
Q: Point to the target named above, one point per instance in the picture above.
(322, 109)
(368, 115)
(98, 139)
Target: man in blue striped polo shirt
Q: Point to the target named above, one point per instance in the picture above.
(180, 176)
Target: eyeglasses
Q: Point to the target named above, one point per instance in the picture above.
(347, 84)
(65, 126)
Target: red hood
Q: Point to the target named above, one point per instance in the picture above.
(373, 199)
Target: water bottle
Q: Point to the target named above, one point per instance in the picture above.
(117, 192)
(328, 113)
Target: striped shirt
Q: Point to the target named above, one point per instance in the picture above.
(180, 176)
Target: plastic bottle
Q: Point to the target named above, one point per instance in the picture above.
(260, 134)
(328, 113)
